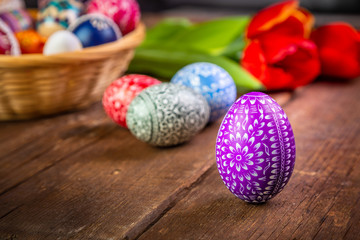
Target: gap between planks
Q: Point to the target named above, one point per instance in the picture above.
(168, 204)
(55, 163)
(154, 216)
(141, 228)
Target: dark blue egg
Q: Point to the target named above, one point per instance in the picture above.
(95, 29)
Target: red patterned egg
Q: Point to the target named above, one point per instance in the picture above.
(121, 92)
(17, 20)
(8, 43)
(125, 13)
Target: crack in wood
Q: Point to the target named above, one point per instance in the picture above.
(293, 210)
(30, 138)
(55, 163)
(327, 212)
(14, 151)
(171, 202)
(12, 210)
(312, 199)
(280, 219)
(347, 231)
(34, 157)
(353, 213)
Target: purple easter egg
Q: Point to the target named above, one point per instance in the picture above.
(255, 148)
(18, 20)
(9, 45)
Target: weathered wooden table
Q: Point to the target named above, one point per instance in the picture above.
(79, 176)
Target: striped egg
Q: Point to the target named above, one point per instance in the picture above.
(255, 148)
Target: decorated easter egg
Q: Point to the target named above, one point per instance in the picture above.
(17, 20)
(167, 114)
(43, 3)
(120, 93)
(61, 42)
(8, 43)
(213, 82)
(58, 15)
(30, 41)
(255, 148)
(8, 5)
(95, 29)
(125, 13)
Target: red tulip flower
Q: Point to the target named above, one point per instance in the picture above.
(339, 50)
(285, 18)
(278, 52)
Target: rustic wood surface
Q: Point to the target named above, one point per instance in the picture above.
(79, 176)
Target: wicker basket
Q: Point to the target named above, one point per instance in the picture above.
(35, 85)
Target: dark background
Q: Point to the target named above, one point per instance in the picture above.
(327, 6)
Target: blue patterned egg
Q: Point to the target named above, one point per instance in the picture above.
(58, 15)
(95, 29)
(167, 114)
(213, 82)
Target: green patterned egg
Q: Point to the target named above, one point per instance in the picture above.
(167, 114)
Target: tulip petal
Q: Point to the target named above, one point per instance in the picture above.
(272, 77)
(298, 65)
(254, 60)
(277, 47)
(306, 18)
(277, 78)
(303, 65)
(269, 17)
(339, 50)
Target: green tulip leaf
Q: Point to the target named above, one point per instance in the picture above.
(213, 37)
(165, 29)
(164, 63)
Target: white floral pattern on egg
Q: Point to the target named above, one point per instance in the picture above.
(167, 114)
(213, 82)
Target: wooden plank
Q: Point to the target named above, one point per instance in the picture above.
(38, 146)
(100, 181)
(82, 177)
(16, 135)
(322, 198)
(29, 147)
(111, 189)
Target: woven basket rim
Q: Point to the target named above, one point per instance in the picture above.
(129, 41)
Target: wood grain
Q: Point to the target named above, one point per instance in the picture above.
(102, 183)
(79, 176)
(41, 144)
(113, 187)
(320, 202)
